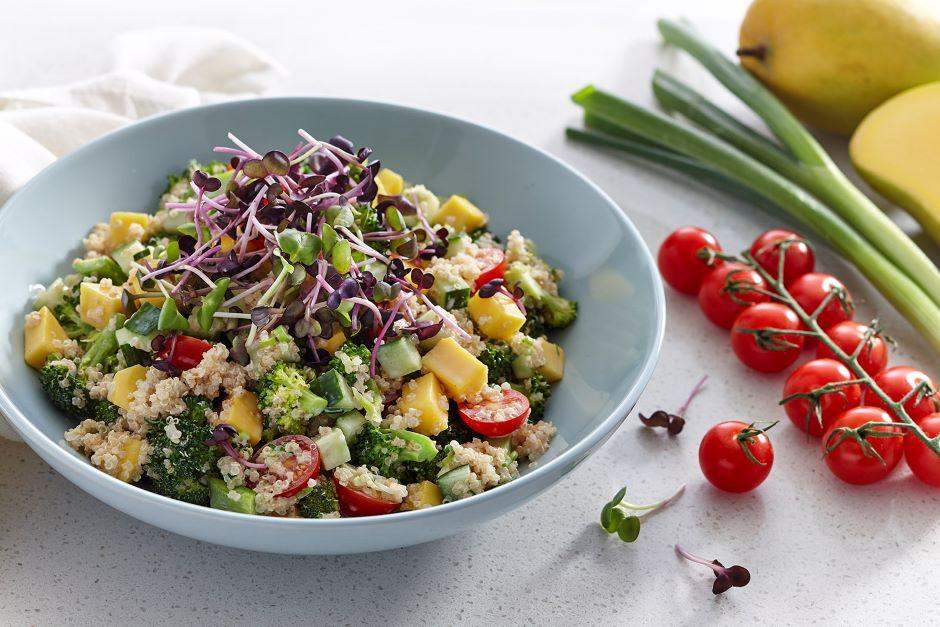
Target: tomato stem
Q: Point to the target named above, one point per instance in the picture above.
(746, 436)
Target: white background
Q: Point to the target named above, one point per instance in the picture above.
(819, 551)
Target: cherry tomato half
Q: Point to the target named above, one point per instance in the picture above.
(810, 290)
(924, 463)
(848, 461)
(496, 418)
(356, 503)
(298, 473)
(728, 290)
(493, 262)
(897, 382)
(799, 258)
(812, 376)
(766, 352)
(847, 335)
(678, 259)
(184, 351)
(724, 462)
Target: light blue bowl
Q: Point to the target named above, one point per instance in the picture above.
(610, 351)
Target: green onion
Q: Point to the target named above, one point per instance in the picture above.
(809, 166)
(906, 295)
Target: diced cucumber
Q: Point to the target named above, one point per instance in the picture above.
(220, 498)
(399, 358)
(332, 386)
(503, 442)
(451, 294)
(126, 337)
(101, 267)
(351, 424)
(451, 478)
(333, 449)
(522, 367)
(124, 255)
(517, 274)
(456, 244)
(144, 321)
(431, 342)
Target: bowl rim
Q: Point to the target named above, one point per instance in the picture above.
(36, 439)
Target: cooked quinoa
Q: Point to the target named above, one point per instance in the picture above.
(303, 334)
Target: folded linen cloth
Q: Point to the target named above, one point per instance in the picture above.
(152, 71)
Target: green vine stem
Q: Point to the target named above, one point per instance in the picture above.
(851, 361)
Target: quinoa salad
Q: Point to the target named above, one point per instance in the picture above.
(303, 334)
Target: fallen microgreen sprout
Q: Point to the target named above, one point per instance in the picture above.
(618, 516)
(673, 423)
(725, 577)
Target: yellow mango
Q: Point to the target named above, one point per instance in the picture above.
(133, 286)
(241, 411)
(462, 374)
(425, 397)
(128, 467)
(226, 244)
(460, 213)
(124, 385)
(554, 366)
(497, 317)
(390, 183)
(123, 229)
(97, 303)
(41, 334)
(421, 495)
(336, 340)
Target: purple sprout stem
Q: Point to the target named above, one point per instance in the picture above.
(688, 401)
(381, 334)
(699, 560)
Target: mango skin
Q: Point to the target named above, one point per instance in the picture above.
(833, 61)
(895, 151)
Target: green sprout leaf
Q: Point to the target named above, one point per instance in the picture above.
(299, 246)
(210, 304)
(617, 516)
(170, 318)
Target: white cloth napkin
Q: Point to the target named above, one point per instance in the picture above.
(152, 71)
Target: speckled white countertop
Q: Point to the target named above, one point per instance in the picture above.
(818, 551)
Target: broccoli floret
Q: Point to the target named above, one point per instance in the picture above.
(396, 453)
(346, 355)
(456, 429)
(321, 500)
(558, 312)
(285, 394)
(106, 411)
(538, 390)
(180, 458)
(65, 387)
(67, 314)
(479, 232)
(497, 357)
(534, 324)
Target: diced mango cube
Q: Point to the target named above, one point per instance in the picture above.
(421, 495)
(462, 374)
(97, 303)
(133, 286)
(497, 317)
(390, 183)
(554, 366)
(241, 411)
(226, 244)
(41, 334)
(334, 342)
(460, 213)
(125, 384)
(128, 467)
(425, 397)
(127, 226)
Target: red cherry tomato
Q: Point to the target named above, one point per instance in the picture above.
(496, 418)
(725, 463)
(766, 352)
(847, 335)
(924, 463)
(799, 258)
(728, 290)
(810, 290)
(356, 503)
(897, 382)
(296, 472)
(812, 376)
(184, 351)
(848, 461)
(493, 261)
(679, 261)
(255, 244)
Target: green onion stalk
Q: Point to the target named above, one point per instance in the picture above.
(799, 179)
